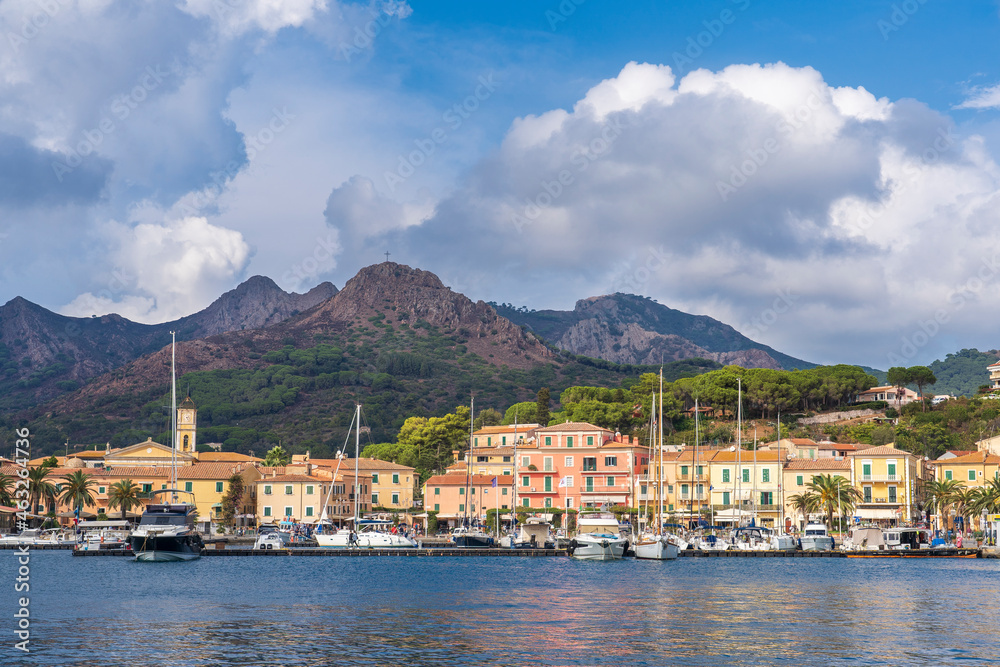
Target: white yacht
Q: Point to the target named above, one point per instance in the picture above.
(370, 534)
(37, 537)
(656, 547)
(534, 533)
(907, 538)
(269, 541)
(166, 531)
(654, 543)
(816, 537)
(97, 535)
(599, 538)
(751, 538)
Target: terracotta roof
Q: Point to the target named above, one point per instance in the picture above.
(884, 450)
(217, 470)
(131, 471)
(819, 464)
(290, 478)
(972, 458)
(209, 457)
(475, 480)
(704, 454)
(572, 427)
(91, 454)
(363, 464)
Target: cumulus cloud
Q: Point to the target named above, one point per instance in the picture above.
(165, 271)
(985, 97)
(721, 191)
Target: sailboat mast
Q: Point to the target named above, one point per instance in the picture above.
(513, 507)
(659, 466)
(697, 437)
(357, 452)
(781, 480)
(739, 449)
(173, 410)
(468, 462)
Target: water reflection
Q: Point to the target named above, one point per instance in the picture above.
(415, 611)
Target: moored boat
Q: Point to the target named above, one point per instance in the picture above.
(816, 537)
(599, 538)
(166, 531)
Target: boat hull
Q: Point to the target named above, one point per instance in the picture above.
(165, 556)
(165, 548)
(373, 540)
(817, 543)
(601, 548)
(473, 541)
(656, 549)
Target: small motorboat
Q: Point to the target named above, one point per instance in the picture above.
(816, 537)
(599, 538)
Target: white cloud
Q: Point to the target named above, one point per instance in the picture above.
(738, 185)
(983, 97)
(235, 18)
(165, 271)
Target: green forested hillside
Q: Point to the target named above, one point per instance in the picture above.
(962, 373)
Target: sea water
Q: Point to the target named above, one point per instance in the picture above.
(502, 611)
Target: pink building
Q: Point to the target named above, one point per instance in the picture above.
(446, 495)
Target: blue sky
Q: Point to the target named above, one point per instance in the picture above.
(821, 176)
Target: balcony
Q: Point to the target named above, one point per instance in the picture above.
(880, 478)
(880, 501)
(703, 496)
(603, 489)
(691, 477)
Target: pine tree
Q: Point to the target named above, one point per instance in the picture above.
(542, 411)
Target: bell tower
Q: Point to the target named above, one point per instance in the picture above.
(187, 426)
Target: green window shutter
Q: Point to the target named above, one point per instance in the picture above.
(437, 490)
(569, 441)
(267, 511)
(548, 440)
(187, 486)
(947, 474)
(746, 475)
(765, 475)
(218, 487)
(461, 491)
(725, 477)
(798, 480)
(437, 507)
(590, 440)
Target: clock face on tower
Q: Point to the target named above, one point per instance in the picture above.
(186, 417)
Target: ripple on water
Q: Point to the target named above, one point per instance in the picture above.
(510, 611)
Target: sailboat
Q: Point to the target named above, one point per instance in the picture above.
(655, 544)
(468, 535)
(363, 533)
(166, 531)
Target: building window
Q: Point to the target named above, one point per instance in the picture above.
(395, 478)
(437, 507)
(568, 461)
(947, 474)
(288, 489)
(746, 475)
(798, 480)
(374, 498)
(548, 441)
(548, 502)
(972, 475)
(610, 461)
(590, 441)
(218, 487)
(548, 484)
(525, 481)
(267, 510)
(395, 499)
(725, 477)
(163, 486)
(525, 502)
(461, 507)
(506, 459)
(288, 510)
(590, 464)
(525, 461)
(473, 490)
(892, 494)
(684, 471)
(766, 498)
(642, 490)
(374, 478)
(187, 486)
(569, 441)
(503, 440)
(146, 488)
(267, 489)
(309, 489)
(725, 497)
(590, 484)
(461, 491)
(684, 491)
(765, 476)
(503, 491)
(506, 472)
(437, 490)
(101, 489)
(891, 469)
(309, 510)
(547, 465)
(867, 494)
(611, 481)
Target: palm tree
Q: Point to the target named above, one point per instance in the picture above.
(6, 489)
(803, 503)
(833, 492)
(941, 494)
(39, 488)
(124, 494)
(964, 499)
(76, 490)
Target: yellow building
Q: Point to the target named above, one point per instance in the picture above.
(393, 486)
(745, 484)
(187, 426)
(797, 475)
(887, 479)
(299, 492)
(148, 453)
(209, 482)
(501, 436)
(973, 470)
